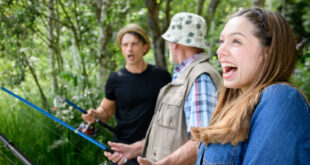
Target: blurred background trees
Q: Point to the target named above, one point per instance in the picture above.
(67, 48)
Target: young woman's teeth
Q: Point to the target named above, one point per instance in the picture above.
(228, 67)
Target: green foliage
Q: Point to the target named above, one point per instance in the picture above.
(297, 14)
(41, 139)
(301, 75)
(24, 44)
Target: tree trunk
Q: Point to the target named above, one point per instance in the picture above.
(78, 56)
(258, 3)
(44, 100)
(211, 41)
(167, 17)
(210, 22)
(210, 13)
(51, 18)
(154, 26)
(200, 7)
(283, 9)
(105, 35)
(59, 58)
(35, 77)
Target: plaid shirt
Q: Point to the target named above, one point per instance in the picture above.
(201, 100)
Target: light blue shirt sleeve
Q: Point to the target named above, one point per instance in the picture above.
(200, 102)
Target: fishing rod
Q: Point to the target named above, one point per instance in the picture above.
(84, 127)
(62, 99)
(59, 121)
(15, 150)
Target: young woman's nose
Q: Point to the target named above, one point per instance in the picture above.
(222, 50)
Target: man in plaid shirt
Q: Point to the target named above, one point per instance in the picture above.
(188, 101)
(201, 100)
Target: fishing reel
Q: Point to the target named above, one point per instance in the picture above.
(59, 102)
(89, 129)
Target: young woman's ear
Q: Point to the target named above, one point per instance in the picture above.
(266, 51)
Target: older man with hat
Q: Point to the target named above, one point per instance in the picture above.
(131, 92)
(188, 101)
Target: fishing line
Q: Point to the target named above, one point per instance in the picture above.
(14, 150)
(59, 135)
(104, 147)
(59, 121)
(7, 157)
(89, 157)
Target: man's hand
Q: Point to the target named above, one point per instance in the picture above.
(91, 116)
(128, 150)
(104, 112)
(124, 151)
(186, 154)
(116, 158)
(144, 161)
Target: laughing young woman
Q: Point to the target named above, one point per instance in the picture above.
(260, 117)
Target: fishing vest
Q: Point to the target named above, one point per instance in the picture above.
(168, 130)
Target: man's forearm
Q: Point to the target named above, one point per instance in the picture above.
(102, 114)
(186, 154)
(106, 109)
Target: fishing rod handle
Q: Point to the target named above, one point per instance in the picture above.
(112, 152)
(76, 107)
(109, 150)
(106, 126)
(130, 163)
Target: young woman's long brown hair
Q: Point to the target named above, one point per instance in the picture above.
(231, 120)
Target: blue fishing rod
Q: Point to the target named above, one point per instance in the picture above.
(15, 150)
(59, 121)
(62, 99)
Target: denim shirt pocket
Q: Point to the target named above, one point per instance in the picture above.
(220, 154)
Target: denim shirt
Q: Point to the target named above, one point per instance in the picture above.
(279, 133)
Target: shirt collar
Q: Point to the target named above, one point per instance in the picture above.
(179, 68)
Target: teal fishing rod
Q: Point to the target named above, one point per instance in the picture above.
(77, 131)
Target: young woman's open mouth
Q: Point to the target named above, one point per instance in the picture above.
(229, 70)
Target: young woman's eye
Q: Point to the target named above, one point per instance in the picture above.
(221, 41)
(236, 41)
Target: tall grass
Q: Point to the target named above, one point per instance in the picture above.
(41, 139)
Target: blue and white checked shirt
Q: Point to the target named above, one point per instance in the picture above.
(201, 100)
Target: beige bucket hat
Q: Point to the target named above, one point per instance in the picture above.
(187, 29)
(133, 28)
